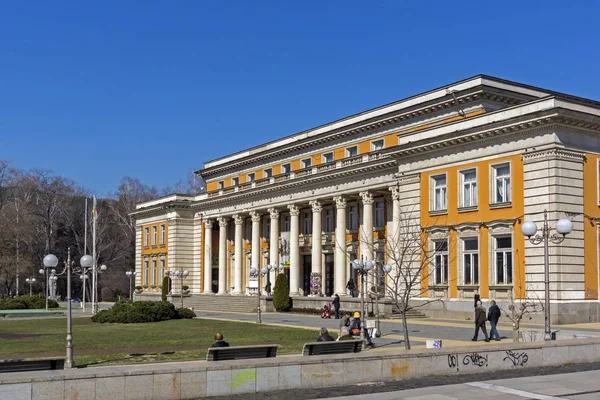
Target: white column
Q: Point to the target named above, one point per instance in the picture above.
(366, 233)
(340, 246)
(239, 254)
(294, 250)
(316, 251)
(274, 242)
(208, 255)
(223, 254)
(255, 241)
(395, 234)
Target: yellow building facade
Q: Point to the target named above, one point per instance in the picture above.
(460, 167)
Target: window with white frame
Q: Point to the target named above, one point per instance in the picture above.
(235, 181)
(146, 237)
(268, 172)
(221, 185)
(327, 158)
(440, 261)
(286, 168)
(352, 151)
(468, 188)
(503, 259)
(470, 261)
(377, 145)
(329, 220)
(501, 183)
(439, 193)
(307, 162)
(163, 234)
(154, 236)
(251, 177)
(353, 217)
(379, 214)
(146, 272)
(154, 271)
(306, 223)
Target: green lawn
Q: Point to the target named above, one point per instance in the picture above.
(119, 343)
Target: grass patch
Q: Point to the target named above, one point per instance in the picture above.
(118, 343)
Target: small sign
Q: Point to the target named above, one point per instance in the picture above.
(370, 323)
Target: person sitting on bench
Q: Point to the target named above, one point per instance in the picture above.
(219, 341)
(345, 334)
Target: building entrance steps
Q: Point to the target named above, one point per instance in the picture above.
(211, 302)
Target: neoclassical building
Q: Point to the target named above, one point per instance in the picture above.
(465, 164)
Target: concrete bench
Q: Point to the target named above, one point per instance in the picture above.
(241, 352)
(323, 348)
(31, 364)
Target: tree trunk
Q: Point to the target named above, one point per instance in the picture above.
(405, 326)
(515, 333)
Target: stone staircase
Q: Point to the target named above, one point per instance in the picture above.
(241, 304)
(410, 314)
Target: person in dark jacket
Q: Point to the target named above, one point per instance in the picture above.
(336, 305)
(325, 336)
(345, 321)
(351, 287)
(480, 319)
(493, 317)
(219, 341)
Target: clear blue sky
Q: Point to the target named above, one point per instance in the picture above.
(153, 89)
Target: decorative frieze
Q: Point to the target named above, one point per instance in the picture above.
(553, 154)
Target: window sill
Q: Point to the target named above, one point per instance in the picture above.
(439, 286)
(501, 287)
(438, 212)
(468, 209)
(468, 287)
(501, 205)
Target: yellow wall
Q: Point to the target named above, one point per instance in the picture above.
(590, 229)
(154, 250)
(483, 214)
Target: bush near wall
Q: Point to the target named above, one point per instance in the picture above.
(35, 302)
(166, 288)
(281, 295)
(125, 311)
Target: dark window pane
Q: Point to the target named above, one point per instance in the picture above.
(508, 267)
(504, 242)
(499, 267)
(470, 244)
(475, 268)
(467, 269)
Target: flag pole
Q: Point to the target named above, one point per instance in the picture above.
(85, 223)
(94, 269)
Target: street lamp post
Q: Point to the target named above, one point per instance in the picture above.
(31, 281)
(529, 229)
(263, 271)
(44, 271)
(362, 267)
(181, 275)
(131, 275)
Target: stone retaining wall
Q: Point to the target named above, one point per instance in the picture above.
(193, 380)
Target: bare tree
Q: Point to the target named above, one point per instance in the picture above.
(519, 310)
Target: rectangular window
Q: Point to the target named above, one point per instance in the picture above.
(306, 163)
(221, 185)
(351, 151)
(327, 158)
(306, 223)
(470, 261)
(235, 181)
(440, 257)
(251, 177)
(469, 188)
(502, 186)
(146, 237)
(503, 259)
(154, 272)
(268, 172)
(267, 227)
(379, 214)
(163, 234)
(286, 224)
(248, 224)
(439, 193)
(286, 168)
(146, 272)
(154, 236)
(353, 217)
(377, 145)
(329, 220)
(162, 271)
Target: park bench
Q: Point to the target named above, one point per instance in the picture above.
(241, 352)
(31, 364)
(325, 348)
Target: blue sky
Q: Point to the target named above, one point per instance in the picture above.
(153, 89)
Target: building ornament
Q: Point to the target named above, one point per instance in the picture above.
(274, 213)
(395, 192)
(367, 198)
(340, 202)
(316, 206)
(223, 221)
(403, 179)
(294, 210)
(208, 223)
(238, 219)
(255, 216)
(553, 154)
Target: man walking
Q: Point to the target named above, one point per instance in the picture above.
(493, 317)
(480, 319)
(336, 305)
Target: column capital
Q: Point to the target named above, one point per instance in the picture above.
(208, 223)
(294, 210)
(367, 198)
(274, 213)
(340, 202)
(223, 221)
(238, 219)
(395, 192)
(316, 206)
(255, 215)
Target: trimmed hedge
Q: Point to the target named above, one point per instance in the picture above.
(281, 295)
(35, 302)
(125, 311)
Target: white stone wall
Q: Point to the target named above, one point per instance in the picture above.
(138, 255)
(197, 254)
(410, 208)
(181, 251)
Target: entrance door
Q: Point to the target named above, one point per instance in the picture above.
(306, 274)
(215, 280)
(328, 282)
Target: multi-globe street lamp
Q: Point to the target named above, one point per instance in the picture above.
(181, 275)
(131, 275)
(362, 267)
(563, 227)
(263, 271)
(30, 281)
